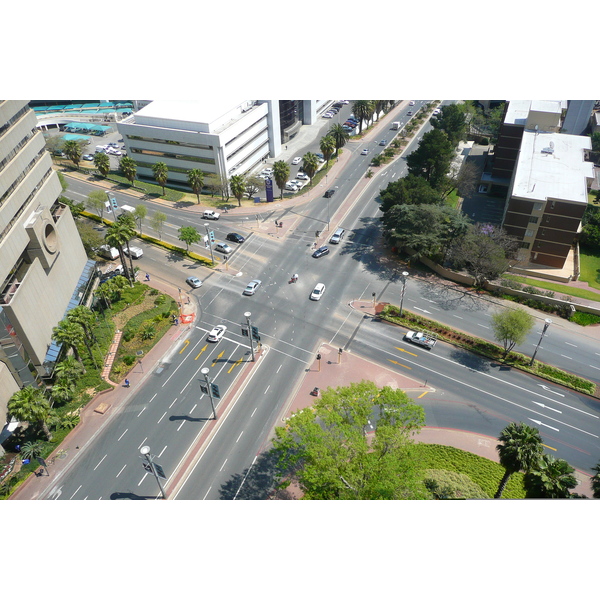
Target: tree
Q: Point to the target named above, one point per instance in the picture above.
(310, 164)
(31, 405)
(281, 172)
(90, 238)
(157, 222)
(408, 190)
(102, 163)
(511, 327)
(72, 149)
(69, 334)
(331, 453)
(425, 228)
(139, 214)
(195, 179)
(595, 480)
(55, 144)
(118, 235)
(327, 146)
(32, 449)
(484, 251)
(551, 477)
(68, 369)
(96, 201)
(432, 157)
(339, 135)
(128, 167)
(189, 235)
(76, 208)
(161, 174)
(363, 110)
(451, 121)
(520, 450)
(85, 317)
(238, 187)
(62, 392)
(253, 185)
(596, 141)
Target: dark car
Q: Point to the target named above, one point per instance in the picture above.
(350, 124)
(329, 193)
(322, 251)
(353, 120)
(235, 237)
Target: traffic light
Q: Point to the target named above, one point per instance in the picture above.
(255, 335)
(318, 357)
(245, 331)
(211, 235)
(215, 390)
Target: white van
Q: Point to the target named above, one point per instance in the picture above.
(108, 252)
(337, 237)
(134, 251)
(101, 149)
(128, 209)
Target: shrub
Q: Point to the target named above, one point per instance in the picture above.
(529, 289)
(148, 332)
(128, 335)
(129, 359)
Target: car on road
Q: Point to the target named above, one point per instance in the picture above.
(437, 111)
(329, 193)
(87, 157)
(235, 237)
(224, 248)
(211, 214)
(411, 103)
(216, 333)
(194, 282)
(365, 151)
(317, 293)
(302, 176)
(383, 142)
(252, 287)
(297, 160)
(409, 113)
(135, 251)
(322, 251)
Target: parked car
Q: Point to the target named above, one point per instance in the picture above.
(302, 176)
(290, 187)
(327, 115)
(437, 111)
(113, 144)
(194, 282)
(322, 251)
(317, 293)
(299, 184)
(135, 251)
(365, 151)
(252, 287)
(114, 152)
(216, 333)
(345, 101)
(87, 157)
(224, 248)
(235, 237)
(297, 160)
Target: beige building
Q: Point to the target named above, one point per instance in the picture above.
(44, 270)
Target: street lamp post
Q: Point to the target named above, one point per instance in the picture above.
(547, 323)
(145, 450)
(204, 372)
(248, 315)
(212, 256)
(404, 275)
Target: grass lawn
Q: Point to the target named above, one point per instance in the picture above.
(590, 269)
(558, 287)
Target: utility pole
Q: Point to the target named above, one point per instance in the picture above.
(248, 315)
(145, 450)
(547, 323)
(212, 256)
(404, 275)
(204, 372)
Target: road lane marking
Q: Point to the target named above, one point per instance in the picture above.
(218, 358)
(569, 344)
(421, 309)
(201, 351)
(142, 479)
(484, 326)
(170, 405)
(407, 352)
(564, 356)
(121, 469)
(185, 345)
(71, 498)
(142, 443)
(551, 448)
(548, 407)
(193, 407)
(161, 418)
(208, 490)
(593, 367)
(181, 425)
(278, 369)
(222, 466)
(420, 396)
(267, 388)
(397, 363)
(457, 317)
(243, 480)
(253, 412)
(237, 363)
(239, 436)
(100, 461)
(141, 411)
(123, 434)
(161, 452)
(153, 397)
(539, 423)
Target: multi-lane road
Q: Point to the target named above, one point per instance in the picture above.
(169, 411)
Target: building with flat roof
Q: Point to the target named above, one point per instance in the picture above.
(43, 265)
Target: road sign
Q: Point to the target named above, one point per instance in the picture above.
(255, 335)
(204, 387)
(113, 201)
(215, 391)
(244, 330)
(147, 467)
(159, 471)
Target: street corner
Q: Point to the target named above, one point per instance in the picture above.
(369, 306)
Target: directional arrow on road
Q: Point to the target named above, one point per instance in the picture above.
(403, 350)
(422, 310)
(397, 363)
(235, 364)
(548, 407)
(218, 358)
(201, 351)
(549, 390)
(544, 424)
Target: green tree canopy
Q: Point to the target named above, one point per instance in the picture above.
(281, 173)
(96, 201)
(411, 189)
(253, 185)
(595, 480)
(339, 135)
(161, 174)
(363, 110)
(102, 163)
(520, 450)
(72, 149)
(189, 235)
(30, 404)
(118, 235)
(157, 222)
(331, 454)
(452, 122)
(310, 164)
(139, 214)
(327, 146)
(432, 157)
(511, 327)
(238, 187)
(69, 334)
(195, 179)
(550, 477)
(128, 167)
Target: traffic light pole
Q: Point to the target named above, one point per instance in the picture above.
(248, 315)
(146, 452)
(212, 256)
(204, 372)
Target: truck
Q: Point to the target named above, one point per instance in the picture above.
(396, 125)
(420, 338)
(135, 251)
(127, 209)
(210, 214)
(107, 251)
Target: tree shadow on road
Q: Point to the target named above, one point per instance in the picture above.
(473, 362)
(130, 496)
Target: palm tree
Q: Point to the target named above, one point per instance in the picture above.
(85, 317)
(68, 369)
(281, 172)
(161, 174)
(595, 480)
(327, 146)
(30, 404)
(70, 334)
(73, 151)
(363, 111)
(62, 392)
(339, 135)
(238, 187)
(310, 164)
(551, 477)
(118, 235)
(32, 449)
(520, 450)
(128, 167)
(102, 163)
(195, 179)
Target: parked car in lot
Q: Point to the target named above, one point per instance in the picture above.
(224, 248)
(113, 144)
(235, 237)
(194, 282)
(329, 193)
(317, 293)
(87, 157)
(114, 151)
(252, 287)
(437, 111)
(290, 187)
(216, 333)
(302, 176)
(322, 251)
(299, 184)
(327, 115)
(297, 160)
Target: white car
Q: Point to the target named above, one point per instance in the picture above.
(297, 160)
(365, 151)
(216, 333)
(114, 151)
(252, 287)
(297, 183)
(345, 101)
(327, 115)
(194, 282)
(317, 293)
(302, 176)
(290, 187)
(437, 111)
(411, 103)
(224, 248)
(268, 172)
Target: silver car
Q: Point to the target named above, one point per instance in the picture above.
(252, 287)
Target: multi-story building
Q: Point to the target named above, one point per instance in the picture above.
(44, 269)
